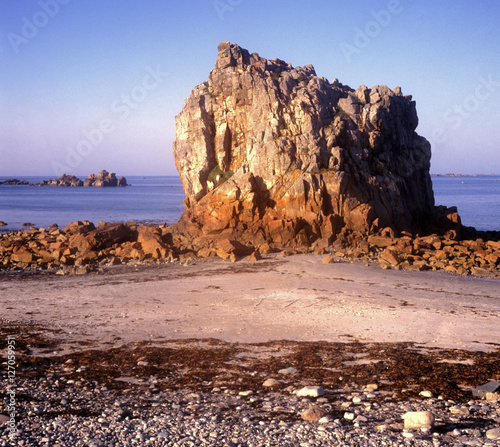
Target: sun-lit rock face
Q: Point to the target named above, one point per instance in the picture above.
(275, 153)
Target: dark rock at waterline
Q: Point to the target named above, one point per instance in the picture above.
(102, 179)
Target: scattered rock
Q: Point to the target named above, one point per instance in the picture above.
(311, 391)
(272, 383)
(493, 434)
(426, 394)
(418, 419)
(483, 390)
(313, 414)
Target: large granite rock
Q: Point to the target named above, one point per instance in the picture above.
(274, 153)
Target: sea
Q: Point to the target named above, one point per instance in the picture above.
(159, 199)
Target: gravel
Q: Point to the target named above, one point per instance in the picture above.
(59, 412)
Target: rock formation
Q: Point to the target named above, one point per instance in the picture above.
(65, 180)
(271, 153)
(15, 182)
(104, 178)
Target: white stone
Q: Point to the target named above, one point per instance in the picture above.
(245, 393)
(349, 416)
(426, 393)
(493, 434)
(418, 419)
(325, 420)
(311, 391)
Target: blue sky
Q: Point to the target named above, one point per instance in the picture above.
(87, 85)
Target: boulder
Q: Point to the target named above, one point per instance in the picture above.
(151, 241)
(313, 414)
(265, 150)
(418, 419)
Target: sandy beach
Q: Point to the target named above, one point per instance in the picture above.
(296, 298)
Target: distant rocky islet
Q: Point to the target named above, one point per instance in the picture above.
(102, 179)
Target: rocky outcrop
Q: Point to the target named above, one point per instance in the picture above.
(65, 180)
(104, 178)
(274, 154)
(15, 182)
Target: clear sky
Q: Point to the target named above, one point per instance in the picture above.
(87, 85)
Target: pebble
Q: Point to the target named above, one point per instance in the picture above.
(271, 383)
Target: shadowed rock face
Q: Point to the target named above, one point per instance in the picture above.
(268, 152)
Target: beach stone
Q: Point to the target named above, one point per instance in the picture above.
(4, 418)
(328, 260)
(290, 370)
(311, 391)
(245, 393)
(493, 434)
(418, 419)
(492, 397)
(313, 414)
(426, 394)
(270, 383)
(23, 255)
(490, 387)
(255, 256)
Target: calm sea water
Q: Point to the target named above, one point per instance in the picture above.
(477, 199)
(147, 200)
(160, 200)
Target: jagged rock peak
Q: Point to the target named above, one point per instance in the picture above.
(262, 141)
